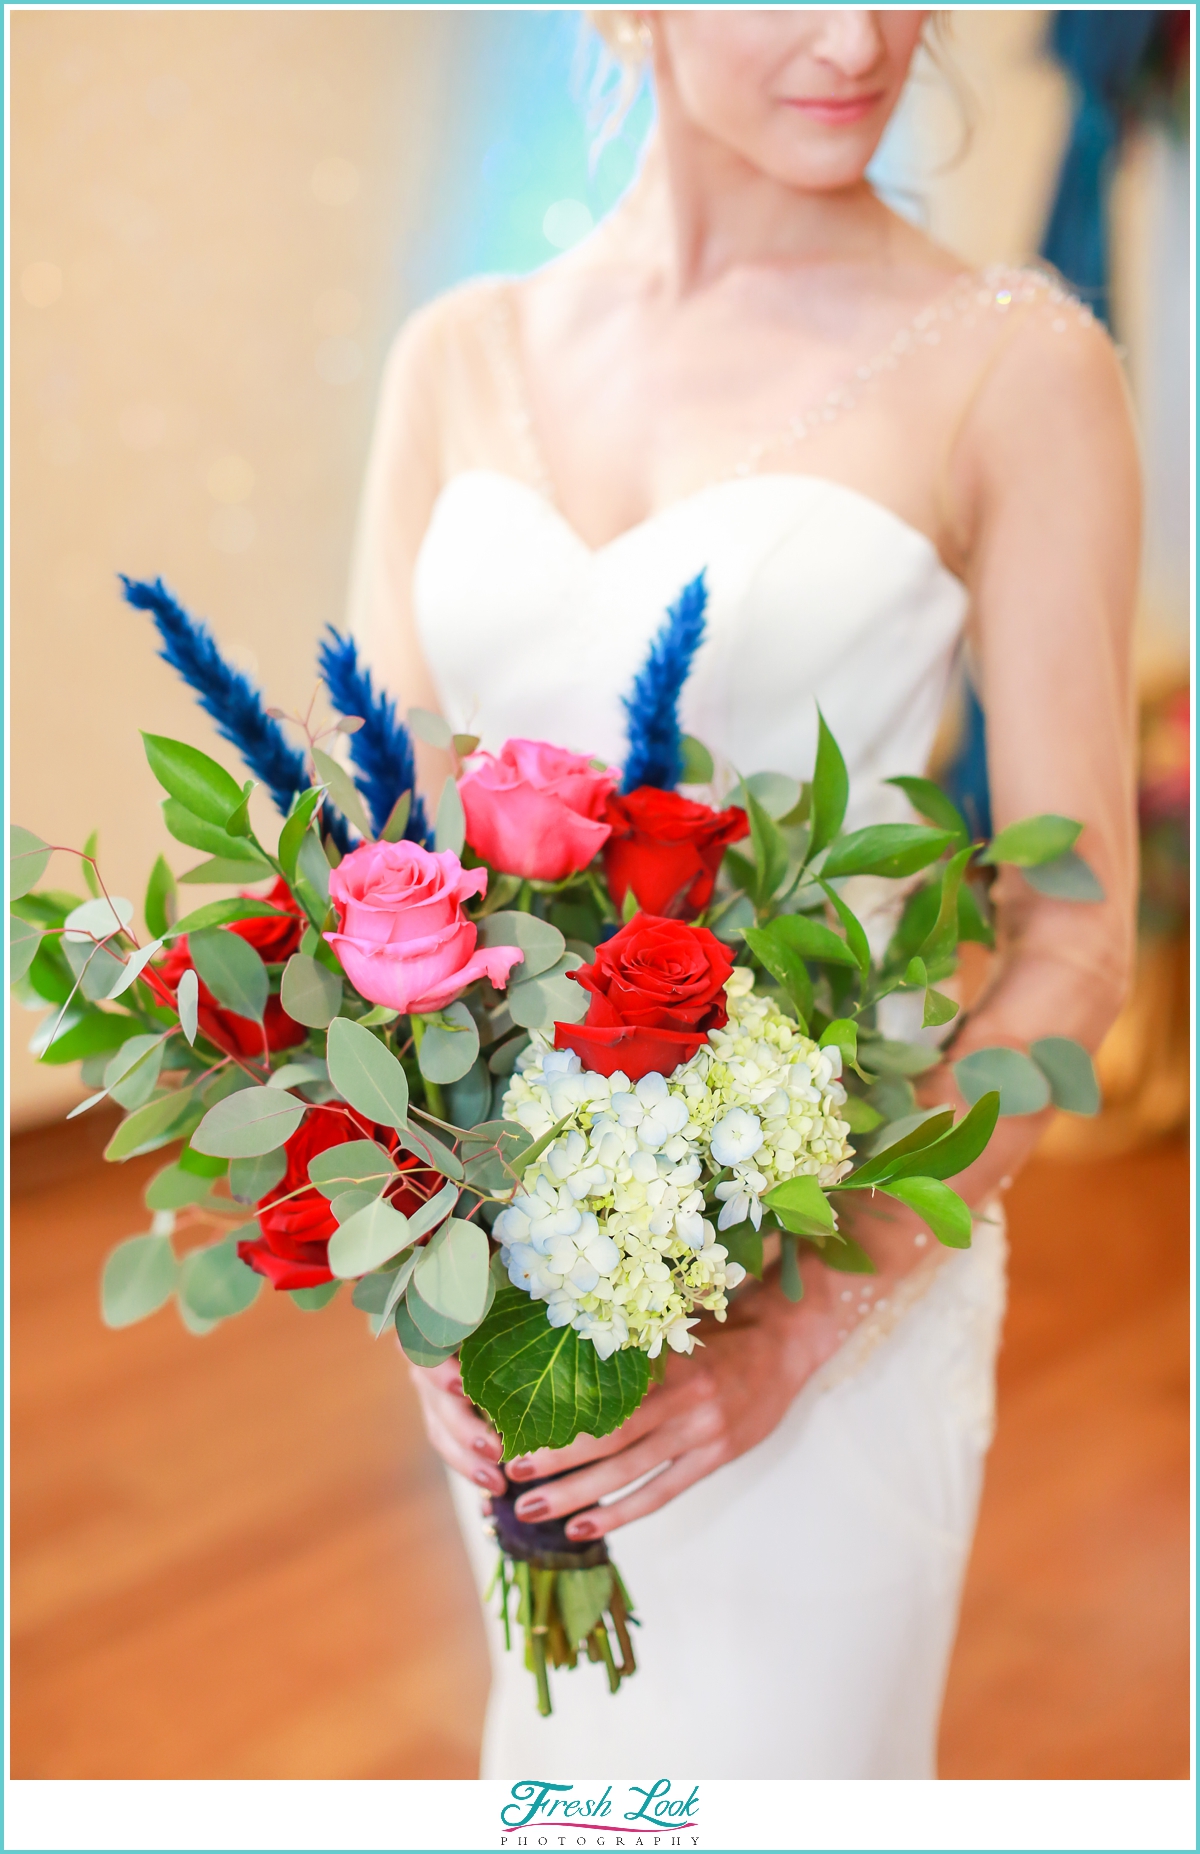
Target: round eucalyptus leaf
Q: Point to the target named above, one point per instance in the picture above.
(132, 1074)
(430, 728)
(139, 1276)
(434, 1327)
(23, 942)
(187, 1003)
(232, 970)
(1020, 1083)
(97, 920)
(450, 825)
(542, 945)
(355, 1162)
(367, 1240)
(249, 1123)
(28, 856)
(1068, 1068)
(468, 1100)
(310, 992)
(311, 1300)
(452, 1273)
(449, 1045)
(552, 997)
(366, 1074)
(215, 1283)
(351, 1199)
(173, 1189)
(251, 1179)
(417, 1348)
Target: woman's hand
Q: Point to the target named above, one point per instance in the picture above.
(711, 1408)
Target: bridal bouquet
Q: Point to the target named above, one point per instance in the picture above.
(536, 1080)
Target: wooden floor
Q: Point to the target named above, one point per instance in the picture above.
(235, 1557)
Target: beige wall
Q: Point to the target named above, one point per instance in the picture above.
(207, 209)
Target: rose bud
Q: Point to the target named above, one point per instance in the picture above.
(534, 810)
(667, 850)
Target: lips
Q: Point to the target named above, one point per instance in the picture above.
(835, 112)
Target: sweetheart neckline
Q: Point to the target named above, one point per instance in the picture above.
(741, 484)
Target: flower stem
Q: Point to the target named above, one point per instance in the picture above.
(434, 1099)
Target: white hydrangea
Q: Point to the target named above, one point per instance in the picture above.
(611, 1226)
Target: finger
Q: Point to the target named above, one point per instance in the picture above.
(463, 1459)
(460, 1419)
(660, 1406)
(590, 1484)
(683, 1473)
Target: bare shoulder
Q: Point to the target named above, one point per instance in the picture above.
(1056, 357)
(428, 337)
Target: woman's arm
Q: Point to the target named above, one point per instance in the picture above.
(1045, 474)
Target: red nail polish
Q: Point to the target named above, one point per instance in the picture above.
(484, 1479)
(580, 1529)
(519, 1470)
(485, 1445)
(535, 1508)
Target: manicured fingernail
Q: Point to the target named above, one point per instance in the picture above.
(486, 1445)
(580, 1529)
(520, 1470)
(532, 1507)
(484, 1479)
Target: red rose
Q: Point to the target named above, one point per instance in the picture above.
(293, 1251)
(658, 988)
(667, 849)
(274, 938)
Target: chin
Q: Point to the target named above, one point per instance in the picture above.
(840, 162)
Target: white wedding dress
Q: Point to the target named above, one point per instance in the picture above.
(799, 1605)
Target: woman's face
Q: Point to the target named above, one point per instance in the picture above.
(803, 96)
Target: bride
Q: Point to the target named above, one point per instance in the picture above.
(754, 368)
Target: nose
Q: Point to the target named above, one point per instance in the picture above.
(850, 40)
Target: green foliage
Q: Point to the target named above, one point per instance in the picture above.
(491, 1152)
(430, 728)
(1067, 1067)
(139, 1277)
(841, 1034)
(132, 1075)
(23, 942)
(251, 1179)
(343, 792)
(859, 1115)
(790, 1278)
(28, 856)
(938, 1206)
(215, 1284)
(856, 935)
(357, 1161)
(449, 1045)
(770, 850)
(541, 944)
(552, 997)
(543, 1385)
(417, 1348)
(772, 950)
(202, 834)
(191, 777)
(450, 824)
(1017, 1079)
(173, 1189)
(891, 850)
(366, 1074)
(744, 1245)
(696, 761)
(367, 1240)
(312, 1299)
(232, 970)
(309, 992)
(1066, 878)
(830, 790)
(847, 1257)
(251, 1122)
(583, 1596)
(393, 831)
(452, 1273)
(91, 1033)
(931, 802)
(222, 914)
(187, 1003)
(292, 835)
(801, 1206)
(1041, 839)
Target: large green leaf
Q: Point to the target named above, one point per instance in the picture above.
(28, 856)
(173, 1189)
(856, 933)
(253, 1121)
(1033, 840)
(196, 781)
(930, 1127)
(221, 871)
(452, 1273)
(552, 997)
(93, 1033)
(812, 939)
(215, 1283)
(251, 1179)
(543, 1385)
(201, 834)
(784, 964)
(292, 834)
(417, 1348)
(770, 848)
(232, 970)
(1068, 1068)
(490, 1151)
(937, 1205)
(343, 791)
(886, 850)
(449, 1044)
(139, 1277)
(1020, 1083)
(222, 914)
(931, 802)
(952, 1151)
(366, 1074)
(1066, 878)
(801, 1206)
(830, 789)
(744, 1245)
(132, 1075)
(434, 1326)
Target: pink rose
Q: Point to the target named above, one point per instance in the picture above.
(535, 810)
(404, 940)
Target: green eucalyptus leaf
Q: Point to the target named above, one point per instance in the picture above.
(1020, 1083)
(355, 1162)
(312, 868)
(1068, 1068)
(133, 968)
(343, 792)
(888, 1056)
(451, 1275)
(489, 1153)
(131, 1076)
(541, 944)
(368, 1239)
(393, 831)
(251, 1179)
(148, 1125)
(187, 1003)
(193, 779)
(97, 920)
(543, 1385)
(297, 824)
(830, 790)
(432, 1151)
(174, 1189)
(777, 793)
(1065, 878)
(90, 1033)
(449, 1045)
(366, 1074)
(23, 942)
(28, 857)
(309, 992)
(885, 850)
(552, 997)
(312, 1299)
(430, 728)
(233, 971)
(450, 825)
(139, 1277)
(249, 1123)
(417, 1348)
(469, 1099)
(434, 1326)
(215, 1283)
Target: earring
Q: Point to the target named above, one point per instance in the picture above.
(634, 37)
